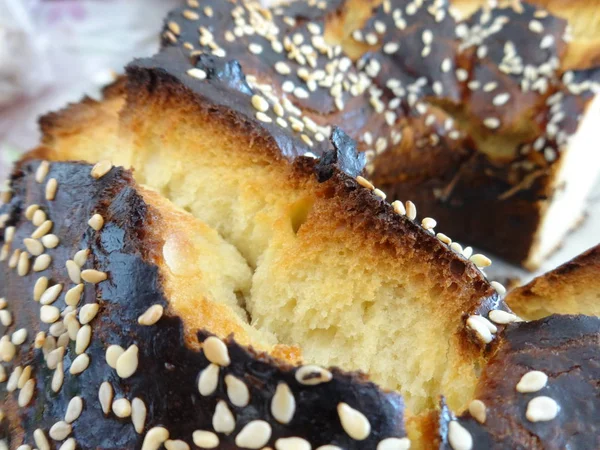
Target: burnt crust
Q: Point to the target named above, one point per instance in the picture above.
(170, 393)
(565, 348)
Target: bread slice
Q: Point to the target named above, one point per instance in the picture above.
(105, 341)
(571, 288)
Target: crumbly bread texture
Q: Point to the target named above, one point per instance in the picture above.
(539, 390)
(571, 288)
(101, 348)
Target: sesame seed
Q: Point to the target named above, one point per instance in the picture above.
(292, 443)
(281, 122)
(57, 329)
(480, 328)
(459, 437)
(263, 117)
(301, 93)
(491, 122)
(105, 395)
(33, 246)
(81, 257)
(42, 230)
(96, 222)
(82, 342)
(354, 423)
(13, 380)
(254, 435)
(42, 171)
(480, 260)
(391, 48)
(154, 438)
(255, 48)
(176, 445)
(23, 264)
(467, 252)
(51, 188)
(443, 238)
(501, 99)
(42, 262)
(197, 73)
(9, 234)
(50, 241)
(190, 15)
(60, 431)
(88, 312)
(41, 441)
(364, 183)
(174, 27)
(428, 223)
(74, 409)
(399, 207)
(208, 380)
(237, 391)
(498, 287)
(306, 140)
(14, 259)
(546, 42)
(51, 294)
(79, 364)
(394, 444)
(73, 295)
(39, 339)
(282, 68)
(24, 377)
(311, 375)
(477, 409)
(100, 169)
(283, 404)
(223, 420)
(411, 210)
(205, 439)
(502, 317)
(216, 351)
(536, 26)
(19, 336)
(379, 193)
(446, 65)
(69, 444)
(138, 414)
(121, 407)
(113, 352)
(541, 409)
(26, 394)
(462, 74)
(54, 357)
(93, 276)
(151, 316)
(532, 381)
(74, 271)
(127, 363)
(259, 103)
(7, 349)
(49, 314)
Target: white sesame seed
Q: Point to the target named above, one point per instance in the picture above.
(19, 336)
(121, 407)
(93, 276)
(480, 260)
(38, 216)
(25, 376)
(154, 438)
(100, 169)
(54, 357)
(84, 336)
(113, 352)
(237, 391)
(216, 351)
(477, 409)
(60, 431)
(394, 444)
(197, 73)
(73, 295)
(547, 42)
(26, 393)
(41, 441)
(49, 314)
(58, 377)
(536, 26)
(532, 381)
(105, 395)
(42, 230)
(96, 222)
(208, 380)
(6, 318)
(88, 312)
(51, 188)
(79, 364)
(39, 340)
(174, 27)
(205, 439)
(69, 444)
(498, 287)
(138, 414)
(42, 262)
(467, 252)
(312, 375)
(190, 15)
(7, 349)
(223, 420)
(9, 234)
(301, 93)
(428, 223)
(411, 210)
(81, 257)
(33, 246)
(51, 294)
(502, 317)
(254, 435)
(127, 363)
(391, 48)
(176, 445)
(14, 259)
(42, 171)
(151, 315)
(542, 409)
(283, 404)
(501, 99)
(13, 380)
(364, 182)
(354, 423)
(263, 117)
(292, 443)
(446, 65)
(459, 437)
(399, 207)
(282, 68)
(259, 103)
(480, 328)
(255, 48)
(74, 409)
(50, 241)
(379, 193)
(462, 74)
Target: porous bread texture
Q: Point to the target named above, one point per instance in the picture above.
(326, 278)
(572, 288)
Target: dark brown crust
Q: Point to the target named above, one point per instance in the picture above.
(166, 378)
(566, 349)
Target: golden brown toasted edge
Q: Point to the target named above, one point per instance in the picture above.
(150, 388)
(539, 390)
(571, 288)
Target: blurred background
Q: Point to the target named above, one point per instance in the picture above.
(55, 51)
